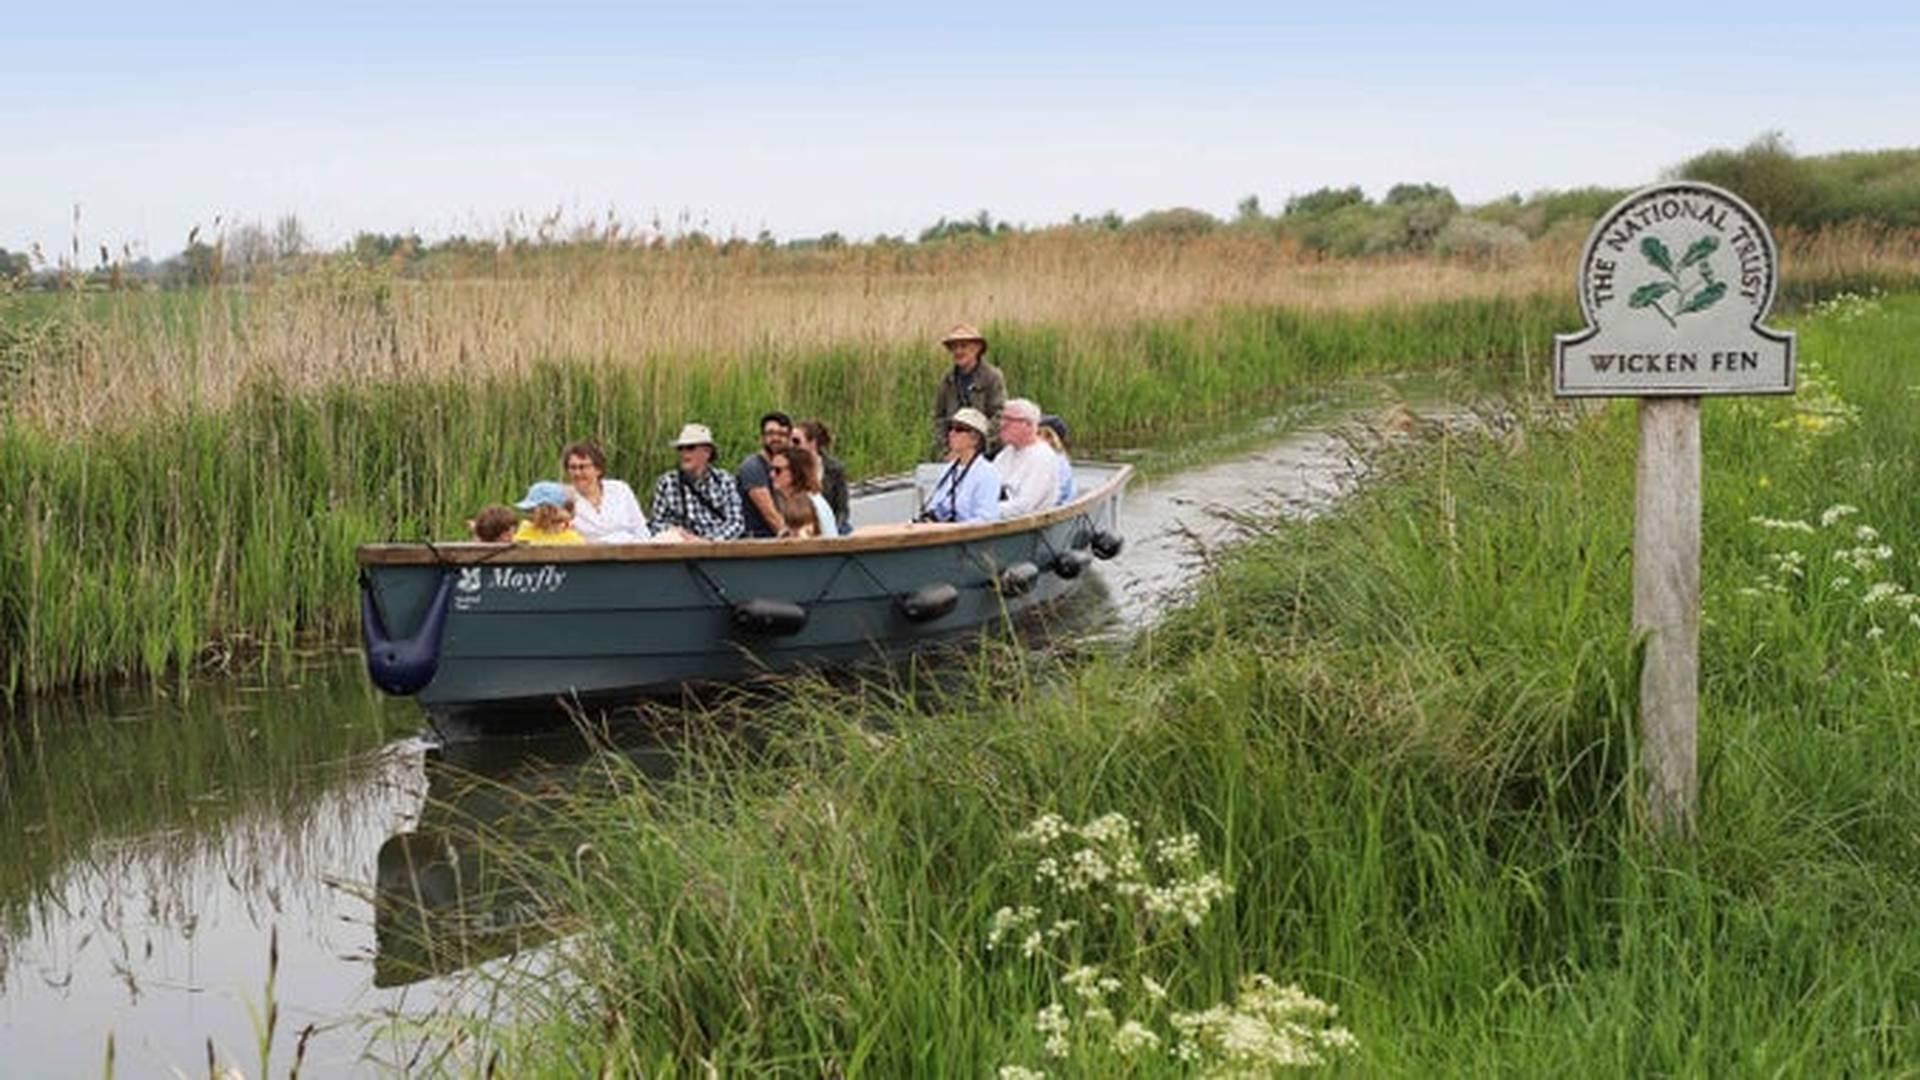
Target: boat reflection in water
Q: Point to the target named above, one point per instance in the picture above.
(461, 887)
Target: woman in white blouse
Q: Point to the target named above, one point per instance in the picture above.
(604, 511)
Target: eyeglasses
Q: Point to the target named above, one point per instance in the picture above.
(780, 469)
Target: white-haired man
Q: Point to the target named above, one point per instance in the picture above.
(1029, 470)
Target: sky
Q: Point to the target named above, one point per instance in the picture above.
(446, 118)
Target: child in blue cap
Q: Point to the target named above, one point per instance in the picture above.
(550, 516)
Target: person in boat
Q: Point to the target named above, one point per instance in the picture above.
(549, 506)
(755, 477)
(831, 476)
(1053, 432)
(801, 503)
(971, 383)
(604, 511)
(494, 525)
(969, 489)
(1027, 466)
(696, 501)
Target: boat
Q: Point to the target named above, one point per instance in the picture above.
(472, 629)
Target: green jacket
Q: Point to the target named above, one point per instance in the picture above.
(986, 392)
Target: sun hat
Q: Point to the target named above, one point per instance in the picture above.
(546, 493)
(693, 435)
(970, 418)
(1021, 409)
(1056, 425)
(963, 332)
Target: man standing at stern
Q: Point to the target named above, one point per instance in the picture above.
(1029, 470)
(972, 383)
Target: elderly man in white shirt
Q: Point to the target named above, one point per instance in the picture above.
(1029, 470)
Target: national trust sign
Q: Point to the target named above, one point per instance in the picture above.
(1675, 281)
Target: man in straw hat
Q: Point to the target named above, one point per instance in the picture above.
(972, 383)
(696, 501)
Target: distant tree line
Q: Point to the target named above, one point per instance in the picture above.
(1879, 189)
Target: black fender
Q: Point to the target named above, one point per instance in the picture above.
(930, 602)
(1107, 544)
(1069, 564)
(1017, 580)
(777, 618)
(404, 666)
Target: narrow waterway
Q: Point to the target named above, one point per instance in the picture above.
(160, 846)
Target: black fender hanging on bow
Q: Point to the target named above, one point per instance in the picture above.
(403, 666)
(1107, 543)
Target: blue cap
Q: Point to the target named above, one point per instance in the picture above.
(546, 493)
(1058, 425)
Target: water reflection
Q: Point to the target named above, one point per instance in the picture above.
(455, 888)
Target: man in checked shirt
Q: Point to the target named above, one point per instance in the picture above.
(696, 501)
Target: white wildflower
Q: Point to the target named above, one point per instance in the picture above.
(1134, 1037)
(1085, 981)
(1020, 1072)
(1789, 525)
(1875, 633)
(1832, 515)
(1159, 993)
(1880, 592)
(1009, 919)
(1177, 850)
(1061, 928)
(1866, 534)
(1267, 1026)
(1107, 828)
(1030, 948)
(1841, 582)
(1044, 829)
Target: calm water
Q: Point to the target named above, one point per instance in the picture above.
(157, 845)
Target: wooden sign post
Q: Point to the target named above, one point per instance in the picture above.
(1675, 282)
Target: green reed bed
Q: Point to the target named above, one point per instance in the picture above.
(188, 539)
(1401, 737)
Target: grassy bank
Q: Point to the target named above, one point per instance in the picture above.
(1401, 736)
(201, 535)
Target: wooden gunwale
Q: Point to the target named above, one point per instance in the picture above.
(463, 552)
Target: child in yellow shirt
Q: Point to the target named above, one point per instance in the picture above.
(550, 517)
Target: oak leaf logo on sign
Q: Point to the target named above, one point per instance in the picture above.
(469, 579)
(1687, 299)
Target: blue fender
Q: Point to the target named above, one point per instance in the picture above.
(405, 666)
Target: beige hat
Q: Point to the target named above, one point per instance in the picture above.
(963, 332)
(970, 418)
(693, 435)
